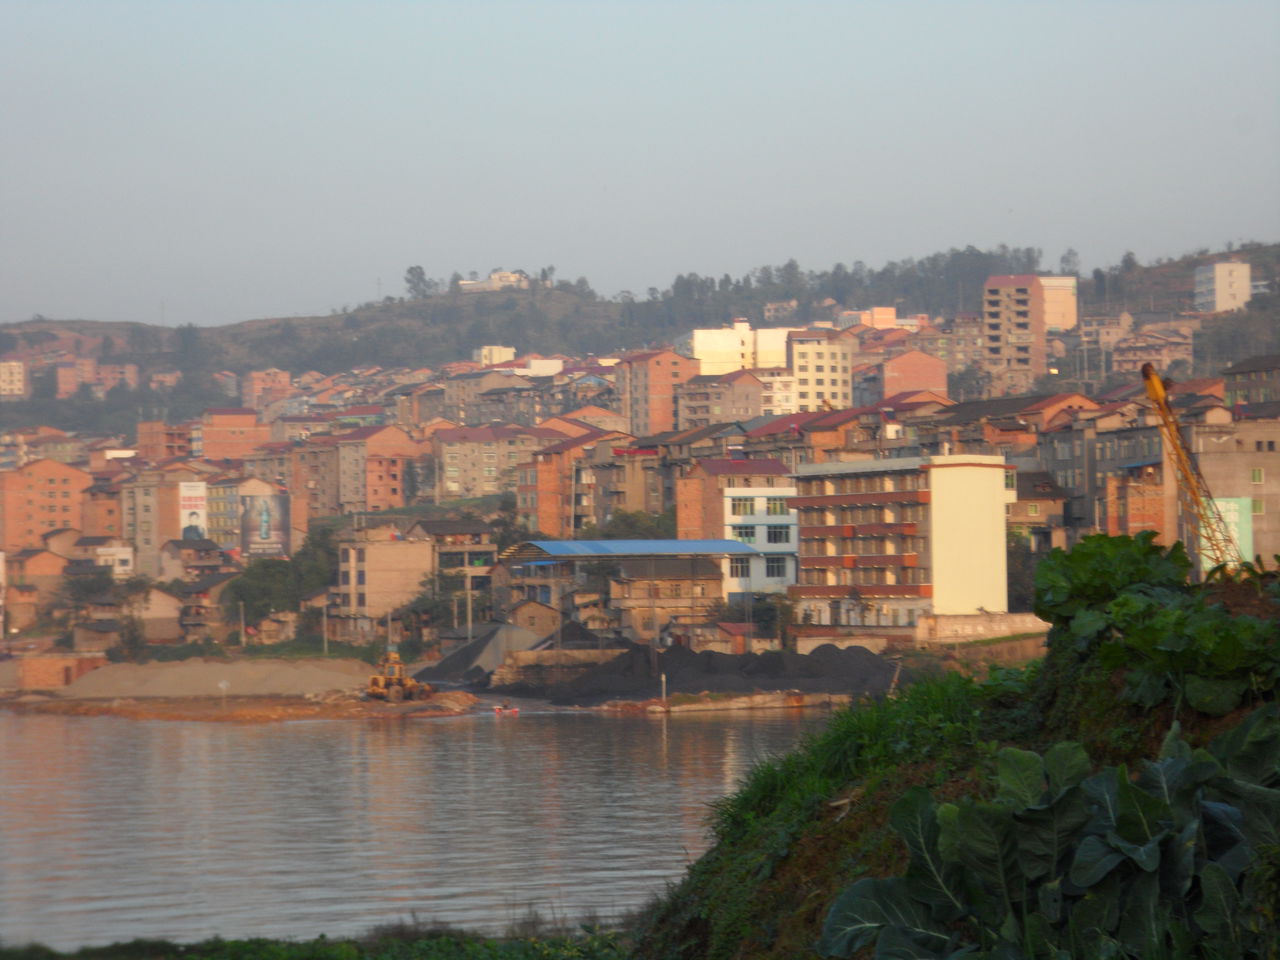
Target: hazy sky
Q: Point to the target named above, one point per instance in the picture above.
(210, 162)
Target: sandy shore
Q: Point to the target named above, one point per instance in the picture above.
(261, 709)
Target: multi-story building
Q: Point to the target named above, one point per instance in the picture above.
(374, 465)
(778, 394)
(708, 398)
(158, 440)
(477, 461)
(383, 567)
(1161, 350)
(735, 347)
(554, 493)
(1017, 313)
(37, 498)
(747, 501)
(822, 359)
(163, 504)
(1256, 380)
(15, 384)
(1223, 286)
(259, 388)
(646, 383)
(249, 517)
(908, 372)
(228, 433)
(885, 542)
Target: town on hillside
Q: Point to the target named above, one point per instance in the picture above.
(763, 485)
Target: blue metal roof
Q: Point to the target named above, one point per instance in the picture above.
(589, 549)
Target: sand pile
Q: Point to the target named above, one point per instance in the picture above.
(201, 678)
(828, 669)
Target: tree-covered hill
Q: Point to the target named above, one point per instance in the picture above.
(436, 322)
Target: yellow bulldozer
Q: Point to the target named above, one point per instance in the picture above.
(391, 683)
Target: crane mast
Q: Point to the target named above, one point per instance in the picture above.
(1215, 541)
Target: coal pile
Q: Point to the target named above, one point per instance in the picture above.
(828, 669)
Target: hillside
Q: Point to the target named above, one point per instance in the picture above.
(440, 327)
(1004, 817)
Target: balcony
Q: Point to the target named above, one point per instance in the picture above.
(861, 499)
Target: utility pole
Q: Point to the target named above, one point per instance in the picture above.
(244, 641)
(467, 576)
(324, 623)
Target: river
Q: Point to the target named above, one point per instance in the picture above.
(112, 829)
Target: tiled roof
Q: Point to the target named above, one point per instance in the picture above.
(738, 468)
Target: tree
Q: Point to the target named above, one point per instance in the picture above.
(1070, 263)
(639, 525)
(416, 283)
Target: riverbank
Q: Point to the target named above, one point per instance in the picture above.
(250, 709)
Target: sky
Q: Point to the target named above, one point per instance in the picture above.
(212, 162)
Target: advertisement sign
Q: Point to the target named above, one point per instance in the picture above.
(264, 526)
(1237, 516)
(193, 510)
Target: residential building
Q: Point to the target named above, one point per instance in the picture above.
(15, 384)
(39, 497)
(554, 494)
(708, 398)
(163, 504)
(477, 461)
(487, 356)
(159, 441)
(374, 465)
(821, 359)
(228, 433)
(1223, 286)
(885, 542)
(1256, 380)
(906, 372)
(747, 501)
(249, 517)
(1017, 313)
(260, 388)
(646, 383)
(734, 347)
(497, 280)
(383, 567)
(1161, 350)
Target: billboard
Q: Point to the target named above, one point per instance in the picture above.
(193, 509)
(264, 526)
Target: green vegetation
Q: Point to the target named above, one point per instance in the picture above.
(637, 525)
(412, 945)
(967, 817)
(1061, 863)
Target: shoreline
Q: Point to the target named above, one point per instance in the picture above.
(276, 708)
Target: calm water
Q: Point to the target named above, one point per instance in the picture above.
(112, 829)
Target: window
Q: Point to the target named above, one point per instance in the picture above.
(1255, 475)
(1256, 507)
(775, 567)
(744, 534)
(778, 534)
(1010, 480)
(739, 566)
(742, 506)
(1033, 509)
(776, 506)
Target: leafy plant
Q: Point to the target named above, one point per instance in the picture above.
(1126, 602)
(1174, 862)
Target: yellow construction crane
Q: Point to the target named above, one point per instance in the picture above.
(1214, 541)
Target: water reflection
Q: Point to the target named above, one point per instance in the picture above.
(113, 829)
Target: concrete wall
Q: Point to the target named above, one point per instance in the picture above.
(967, 534)
(53, 671)
(965, 629)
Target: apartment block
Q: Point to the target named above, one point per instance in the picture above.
(1017, 313)
(646, 384)
(37, 498)
(476, 461)
(228, 433)
(383, 567)
(747, 501)
(1256, 380)
(707, 399)
(821, 360)
(260, 388)
(885, 542)
(909, 372)
(735, 347)
(15, 384)
(1223, 286)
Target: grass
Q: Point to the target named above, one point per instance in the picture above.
(532, 937)
(796, 816)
